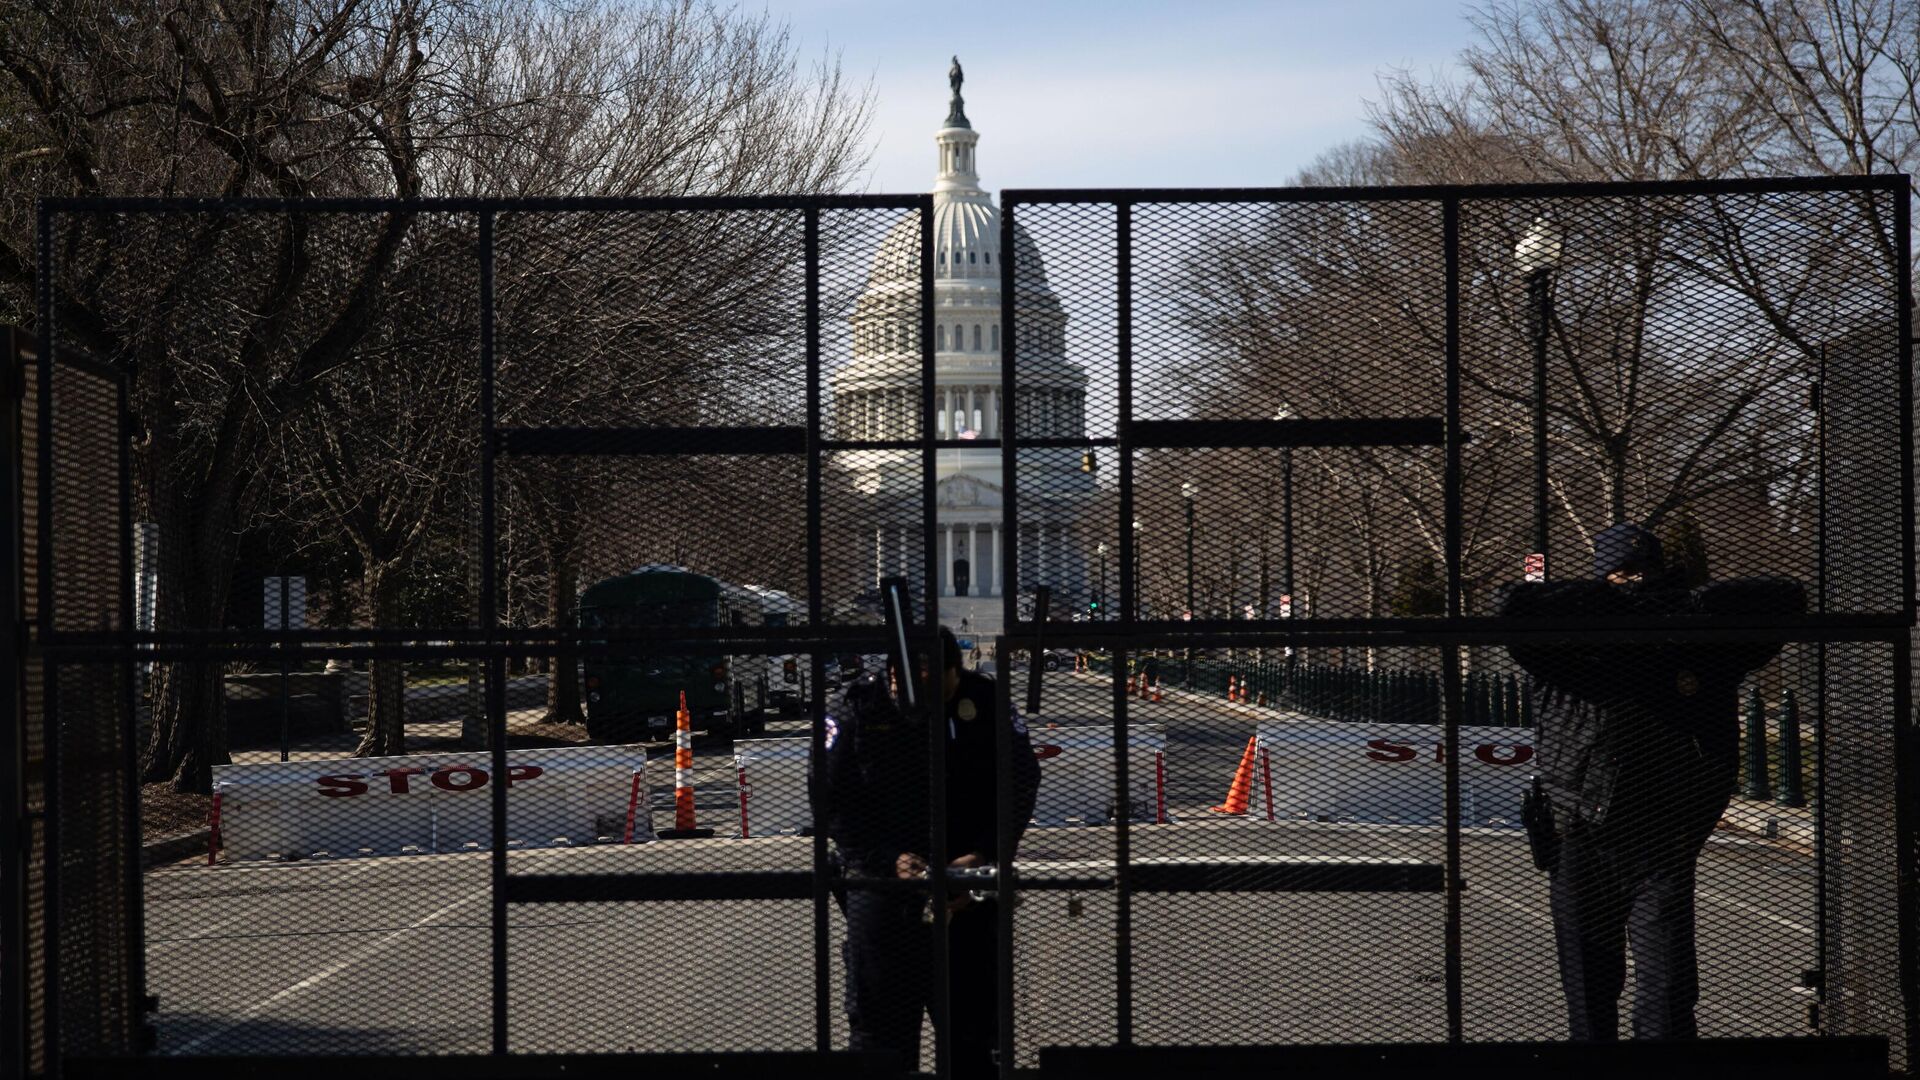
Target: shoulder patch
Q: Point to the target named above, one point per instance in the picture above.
(833, 731)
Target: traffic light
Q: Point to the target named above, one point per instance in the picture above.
(1093, 607)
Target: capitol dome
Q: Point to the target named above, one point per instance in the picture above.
(876, 397)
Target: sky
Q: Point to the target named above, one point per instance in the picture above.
(1201, 93)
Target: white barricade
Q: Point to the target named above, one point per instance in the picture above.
(1076, 778)
(1388, 773)
(428, 802)
(1076, 773)
(772, 779)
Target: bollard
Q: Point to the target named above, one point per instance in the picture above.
(1757, 787)
(1790, 790)
(1511, 718)
(1526, 704)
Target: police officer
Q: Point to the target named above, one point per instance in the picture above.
(875, 800)
(1639, 755)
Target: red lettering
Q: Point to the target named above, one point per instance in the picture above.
(442, 777)
(1382, 750)
(397, 778)
(1440, 752)
(522, 772)
(339, 787)
(1044, 751)
(1490, 753)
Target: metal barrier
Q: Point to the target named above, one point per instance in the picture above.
(675, 447)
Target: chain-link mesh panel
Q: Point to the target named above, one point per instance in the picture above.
(33, 733)
(718, 499)
(1722, 368)
(304, 391)
(1283, 374)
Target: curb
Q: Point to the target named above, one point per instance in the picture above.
(174, 848)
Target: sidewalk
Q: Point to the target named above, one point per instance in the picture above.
(1763, 819)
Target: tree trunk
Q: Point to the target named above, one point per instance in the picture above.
(197, 552)
(473, 717)
(563, 673)
(386, 679)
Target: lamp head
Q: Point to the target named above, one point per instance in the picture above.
(1539, 247)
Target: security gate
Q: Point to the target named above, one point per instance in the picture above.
(443, 516)
(1278, 457)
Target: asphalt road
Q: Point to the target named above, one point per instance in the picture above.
(393, 954)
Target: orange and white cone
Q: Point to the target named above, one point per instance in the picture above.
(1233, 693)
(1241, 790)
(1156, 691)
(684, 824)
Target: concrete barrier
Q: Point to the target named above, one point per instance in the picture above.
(1076, 773)
(427, 803)
(1076, 779)
(1388, 773)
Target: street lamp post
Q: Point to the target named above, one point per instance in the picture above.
(1137, 586)
(1286, 524)
(1100, 598)
(1187, 492)
(1286, 514)
(1538, 256)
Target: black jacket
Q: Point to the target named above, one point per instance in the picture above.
(1642, 738)
(875, 784)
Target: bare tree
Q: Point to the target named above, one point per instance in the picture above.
(239, 326)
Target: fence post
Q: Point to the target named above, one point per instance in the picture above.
(1757, 787)
(1790, 790)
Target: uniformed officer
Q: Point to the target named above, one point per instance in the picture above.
(1639, 756)
(875, 799)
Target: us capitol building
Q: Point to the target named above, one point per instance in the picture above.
(875, 396)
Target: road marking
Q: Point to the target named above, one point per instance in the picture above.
(312, 981)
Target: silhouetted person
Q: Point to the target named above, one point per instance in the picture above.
(1639, 756)
(875, 798)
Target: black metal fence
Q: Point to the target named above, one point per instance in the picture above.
(375, 555)
(1344, 459)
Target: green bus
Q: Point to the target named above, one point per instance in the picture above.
(633, 697)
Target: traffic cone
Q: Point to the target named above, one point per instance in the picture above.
(685, 827)
(1230, 689)
(1156, 691)
(1132, 681)
(1242, 788)
(1263, 699)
